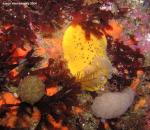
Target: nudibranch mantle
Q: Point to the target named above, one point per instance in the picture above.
(86, 58)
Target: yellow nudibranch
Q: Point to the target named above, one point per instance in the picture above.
(86, 58)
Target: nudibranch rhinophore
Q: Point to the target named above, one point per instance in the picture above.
(86, 58)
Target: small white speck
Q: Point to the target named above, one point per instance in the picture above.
(16, 95)
(24, 16)
(102, 89)
(148, 37)
(83, 124)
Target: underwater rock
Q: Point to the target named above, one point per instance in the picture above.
(113, 104)
(31, 89)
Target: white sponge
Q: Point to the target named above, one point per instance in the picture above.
(113, 104)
